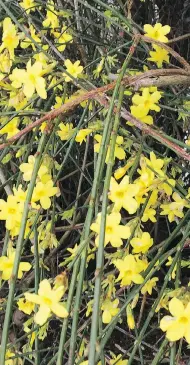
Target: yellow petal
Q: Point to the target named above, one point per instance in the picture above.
(59, 310)
(176, 307)
(42, 315)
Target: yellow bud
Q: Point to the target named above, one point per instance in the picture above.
(130, 317)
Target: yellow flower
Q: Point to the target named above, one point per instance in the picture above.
(9, 361)
(28, 5)
(114, 232)
(174, 209)
(109, 309)
(5, 62)
(158, 56)
(168, 263)
(155, 163)
(25, 306)
(49, 301)
(123, 194)
(51, 17)
(157, 32)
(63, 38)
(31, 79)
(130, 268)
(17, 99)
(140, 113)
(150, 284)
(121, 171)
(27, 169)
(7, 263)
(130, 317)
(82, 134)
(149, 213)
(74, 69)
(178, 325)
(10, 128)
(66, 131)
(118, 360)
(119, 151)
(10, 211)
(147, 101)
(43, 192)
(28, 42)
(141, 244)
(10, 40)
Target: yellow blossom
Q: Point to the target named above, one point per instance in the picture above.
(118, 360)
(62, 39)
(174, 209)
(28, 42)
(10, 40)
(74, 69)
(16, 361)
(10, 128)
(31, 79)
(49, 301)
(109, 309)
(157, 32)
(130, 317)
(25, 306)
(147, 101)
(158, 56)
(27, 169)
(141, 244)
(177, 326)
(114, 232)
(66, 131)
(119, 151)
(130, 268)
(123, 194)
(141, 113)
(10, 211)
(43, 192)
(169, 263)
(150, 284)
(5, 62)
(149, 213)
(82, 134)
(121, 171)
(17, 99)
(51, 19)
(155, 163)
(7, 263)
(28, 5)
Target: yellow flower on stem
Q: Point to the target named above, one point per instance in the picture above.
(114, 232)
(48, 300)
(7, 263)
(25, 306)
(27, 169)
(118, 360)
(155, 163)
(51, 19)
(177, 326)
(74, 69)
(28, 5)
(174, 209)
(10, 128)
(63, 38)
(157, 32)
(66, 131)
(123, 194)
(82, 134)
(119, 151)
(28, 42)
(109, 309)
(10, 211)
(150, 284)
(147, 101)
(141, 244)
(138, 112)
(158, 56)
(130, 268)
(43, 192)
(10, 40)
(149, 213)
(130, 317)
(31, 79)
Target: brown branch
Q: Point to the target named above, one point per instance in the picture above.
(180, 38)
(93, 94)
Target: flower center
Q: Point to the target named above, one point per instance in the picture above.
(47, 301)
(183, 320)
(120, 194)
(147, 103)
(109, 230)
(12, 211)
